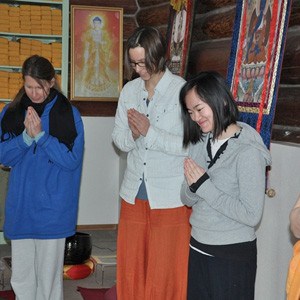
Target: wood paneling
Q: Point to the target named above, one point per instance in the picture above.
(295, 14)
(153, 16)
(290, 73)
(96, 108)
(288, 104)
(209, 55)
(210, 50)
(149, 3)
(129, 6)
(207, 5)
(216, 26)
(97, 227)
(283, 134)
(129, 25)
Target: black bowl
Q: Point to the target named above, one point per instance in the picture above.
(78, 248)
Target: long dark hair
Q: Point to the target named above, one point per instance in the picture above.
(155, 47)
(212, 88)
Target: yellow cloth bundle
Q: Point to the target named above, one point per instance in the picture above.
(293, 279)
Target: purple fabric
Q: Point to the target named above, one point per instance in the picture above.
(111, 294)
(98, 294)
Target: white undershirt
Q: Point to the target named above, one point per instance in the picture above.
(216, 144)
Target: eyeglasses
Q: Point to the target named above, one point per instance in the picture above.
(141, 64)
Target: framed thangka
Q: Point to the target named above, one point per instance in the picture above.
(179, 34)
(97, 50)
(255, 60)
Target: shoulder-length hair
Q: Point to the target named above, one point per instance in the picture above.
(212, 89)
(155, 47)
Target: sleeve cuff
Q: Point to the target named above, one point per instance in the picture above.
(38, 136)
(194, 187)
(27, 139)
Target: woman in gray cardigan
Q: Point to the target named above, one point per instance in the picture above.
(225, 186)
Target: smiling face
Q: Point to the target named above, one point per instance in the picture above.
(36, 92)
(199, 111)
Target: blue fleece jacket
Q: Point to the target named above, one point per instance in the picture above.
(43, 192)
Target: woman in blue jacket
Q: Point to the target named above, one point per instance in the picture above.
(42, 141)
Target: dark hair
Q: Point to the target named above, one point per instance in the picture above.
(97, 19)
(212, 88)
(155, 47)
(41, 70)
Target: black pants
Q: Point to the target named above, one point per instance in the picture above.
(213, 278)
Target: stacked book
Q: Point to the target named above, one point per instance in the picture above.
(30, 19)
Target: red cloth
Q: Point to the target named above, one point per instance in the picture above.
(7, 295)
(111, 294)
(98, 294)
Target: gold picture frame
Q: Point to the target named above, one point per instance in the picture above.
(96, 53)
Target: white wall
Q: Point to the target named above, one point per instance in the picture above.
(99, 200)
(274, 240)
(99, 192)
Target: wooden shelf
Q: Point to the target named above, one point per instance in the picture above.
(45, 38)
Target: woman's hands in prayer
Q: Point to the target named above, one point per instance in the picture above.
(138, 123)
(32, 122)
(192, 171)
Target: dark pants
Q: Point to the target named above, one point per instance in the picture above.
(213, 278)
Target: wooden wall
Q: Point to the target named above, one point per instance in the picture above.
(210, 49)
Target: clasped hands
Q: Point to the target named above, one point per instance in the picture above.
(138, 123)
(32, 122)
(192, 171)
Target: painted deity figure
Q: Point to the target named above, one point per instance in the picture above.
(95, 58)
(256, 49)
(178, 34)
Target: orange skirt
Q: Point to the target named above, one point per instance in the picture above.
(152, 252)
